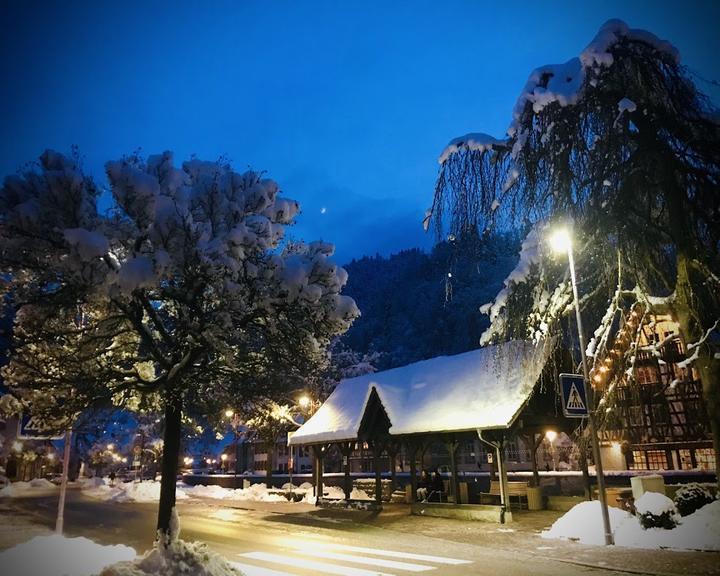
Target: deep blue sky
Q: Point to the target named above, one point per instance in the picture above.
(345, 104)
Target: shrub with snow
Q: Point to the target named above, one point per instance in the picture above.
(691, 497)
(656, 510)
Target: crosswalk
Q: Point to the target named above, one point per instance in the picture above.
(340, 559)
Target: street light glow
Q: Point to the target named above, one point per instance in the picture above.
(560, 241)
(229, 413)
(304, 401)
(551, 435)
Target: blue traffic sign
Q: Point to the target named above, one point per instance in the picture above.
(574, 396)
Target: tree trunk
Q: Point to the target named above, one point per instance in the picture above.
(171, 453)
(270, 448)
(706, 364)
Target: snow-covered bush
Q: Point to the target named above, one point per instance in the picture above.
(655, 510)
(691, 497)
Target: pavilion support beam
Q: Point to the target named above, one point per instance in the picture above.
(346, 449)
(392, 449)
(319, 456)
(413, 449)
(452, 447)
(377, 449)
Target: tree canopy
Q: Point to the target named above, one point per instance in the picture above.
(619, 142)
(182, 295)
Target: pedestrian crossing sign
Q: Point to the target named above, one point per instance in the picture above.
(574, 396)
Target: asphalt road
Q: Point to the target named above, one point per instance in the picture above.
(296, 539)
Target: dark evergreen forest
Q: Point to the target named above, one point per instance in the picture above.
(417, 305)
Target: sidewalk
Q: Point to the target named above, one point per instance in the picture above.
(523, 535)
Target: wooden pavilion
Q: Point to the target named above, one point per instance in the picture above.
(493, 392)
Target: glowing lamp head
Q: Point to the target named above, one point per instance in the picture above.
(51, 456)
(304, 401)
(560, 241)
(224, 457)
(551, 435)
(229, 413)
(110, 447)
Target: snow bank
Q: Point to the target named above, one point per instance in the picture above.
(584, 523)
(255, 493)
(17, 489)
(699, 531)
(59, 556)
(146, 491)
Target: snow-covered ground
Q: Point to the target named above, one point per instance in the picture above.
(59, 556)
(16, 489)
(149, 491)
(698, 531)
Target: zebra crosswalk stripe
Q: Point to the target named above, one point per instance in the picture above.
(312, 565)
(396, 554)
(252, 570)
(367, 561)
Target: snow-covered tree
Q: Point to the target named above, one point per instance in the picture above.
(619, 141)
(268, 421)
(182, 297)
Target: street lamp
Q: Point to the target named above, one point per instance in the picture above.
(562, 242)
(304, 401)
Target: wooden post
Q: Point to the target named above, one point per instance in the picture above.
(318, 452)
(452, 446)
(412, 453)
(392, 452)
(346, 450)
(377, 451)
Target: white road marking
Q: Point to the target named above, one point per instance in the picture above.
(367, 561)
(395, 554)
(250, 570)
(317, 566)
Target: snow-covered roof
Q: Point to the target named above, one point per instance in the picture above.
(481, 389)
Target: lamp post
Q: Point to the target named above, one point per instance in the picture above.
(561, 242)
(235, 424)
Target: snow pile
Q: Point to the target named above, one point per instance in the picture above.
(59, 556)
(18, 489)
(699, 531)
(179, 557)
(584, 523)
(254, 493)
(171, 556)
(146, 491)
